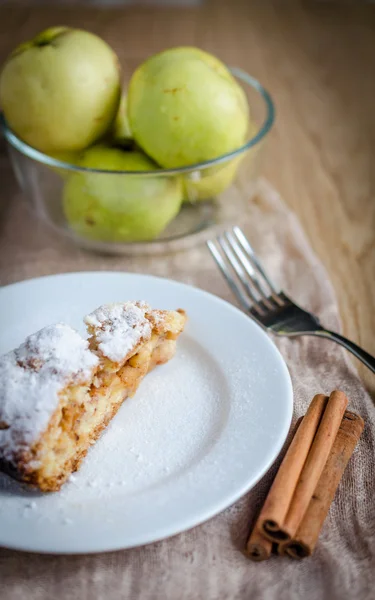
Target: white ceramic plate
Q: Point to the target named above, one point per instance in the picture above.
(200, 432)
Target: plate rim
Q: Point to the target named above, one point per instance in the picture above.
(228, 499)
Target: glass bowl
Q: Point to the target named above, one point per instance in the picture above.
(211, 194)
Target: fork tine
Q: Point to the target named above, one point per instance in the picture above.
(254, 259)
(236, 265)
(228, 277)
(248, 269)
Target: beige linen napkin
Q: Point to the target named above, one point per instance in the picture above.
(206, 563)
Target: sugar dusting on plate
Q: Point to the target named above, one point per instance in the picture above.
(167, 425)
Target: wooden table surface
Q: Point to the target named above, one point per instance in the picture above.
(318, 61)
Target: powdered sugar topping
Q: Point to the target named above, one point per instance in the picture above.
(31, 378)
(120, 327)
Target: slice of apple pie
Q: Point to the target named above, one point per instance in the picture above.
(58, 391)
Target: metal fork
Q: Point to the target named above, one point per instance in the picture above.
(261, 300)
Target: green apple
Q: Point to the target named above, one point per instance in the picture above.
(118, 207)
(214, 63)
(207, 183)
(60, 91)
(204, 184)
(71, 158)
(185, 107)
(121, 133)
(211, 182)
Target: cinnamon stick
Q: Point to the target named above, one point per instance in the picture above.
(315, 462)
(274, 511)
(304, 541)
(258, 547)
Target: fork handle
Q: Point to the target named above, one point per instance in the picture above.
(362, 355)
